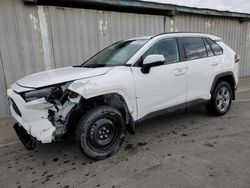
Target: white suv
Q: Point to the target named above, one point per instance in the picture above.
(123, 84)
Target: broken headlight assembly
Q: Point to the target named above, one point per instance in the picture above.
(73, 95)
(51, 94)
(37, 94)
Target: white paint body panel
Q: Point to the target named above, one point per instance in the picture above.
(34, 120)
(165, 86)
(227, 57)
(201, 74)
(61, 75)
(118, 80)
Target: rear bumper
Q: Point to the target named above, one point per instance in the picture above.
(32, 117)
(28, 141)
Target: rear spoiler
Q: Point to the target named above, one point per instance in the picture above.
(218, 40)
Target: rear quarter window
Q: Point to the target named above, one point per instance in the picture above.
(215, 47)
(194, 48)
(209, 49)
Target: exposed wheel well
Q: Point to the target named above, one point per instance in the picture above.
(229, 78)
(112, 99)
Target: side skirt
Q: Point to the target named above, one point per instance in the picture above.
(175, 109)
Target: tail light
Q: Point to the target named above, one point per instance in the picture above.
(237, 58)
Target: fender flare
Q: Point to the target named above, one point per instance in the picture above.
(221, 75)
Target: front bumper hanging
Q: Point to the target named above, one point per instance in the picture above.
(28, 141)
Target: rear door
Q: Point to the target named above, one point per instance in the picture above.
(197, 62)
(202, 66)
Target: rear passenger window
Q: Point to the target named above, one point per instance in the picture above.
(209, 49)
(194, 48)
(215, 47)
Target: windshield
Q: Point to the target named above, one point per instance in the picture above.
(115, 55)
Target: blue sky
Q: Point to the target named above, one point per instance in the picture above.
(233, 5)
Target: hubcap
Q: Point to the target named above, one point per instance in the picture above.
(223, 99)
(102, 133)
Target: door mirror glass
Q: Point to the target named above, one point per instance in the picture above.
(152, 61)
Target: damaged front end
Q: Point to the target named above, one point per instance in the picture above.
(60, 116)
(65, 102)
(42, 114)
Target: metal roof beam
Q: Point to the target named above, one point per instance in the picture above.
(137, 6)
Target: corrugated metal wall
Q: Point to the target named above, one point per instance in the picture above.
(3, 101)
(78, 34)
(29, 34)
(20, 45)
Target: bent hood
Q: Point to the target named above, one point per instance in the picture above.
(60, 75)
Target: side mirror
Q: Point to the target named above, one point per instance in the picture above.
(152, 61)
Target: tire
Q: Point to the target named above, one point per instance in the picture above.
(221, 99)
(100, 132)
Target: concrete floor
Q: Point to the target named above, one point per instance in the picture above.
(188, 149)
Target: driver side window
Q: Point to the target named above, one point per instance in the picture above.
(166, 47)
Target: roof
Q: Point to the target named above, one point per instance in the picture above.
(137, 6)
(190, 34)
(141, 38)
(177, 34)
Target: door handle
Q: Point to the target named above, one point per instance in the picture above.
(214, 64)
(180, 71)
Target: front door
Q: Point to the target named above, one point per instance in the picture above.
(164, 86)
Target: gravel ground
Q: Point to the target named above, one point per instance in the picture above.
(188, 149)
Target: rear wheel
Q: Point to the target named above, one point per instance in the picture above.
(100, 132)
(221, 99)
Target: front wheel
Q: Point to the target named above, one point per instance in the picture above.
(100, 132)
(221, 99)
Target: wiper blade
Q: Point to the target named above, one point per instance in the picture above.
(94, 66)
(84, 66)
(88, 66)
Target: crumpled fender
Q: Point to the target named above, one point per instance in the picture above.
(96, 86)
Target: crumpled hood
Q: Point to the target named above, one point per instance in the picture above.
(61, 75)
